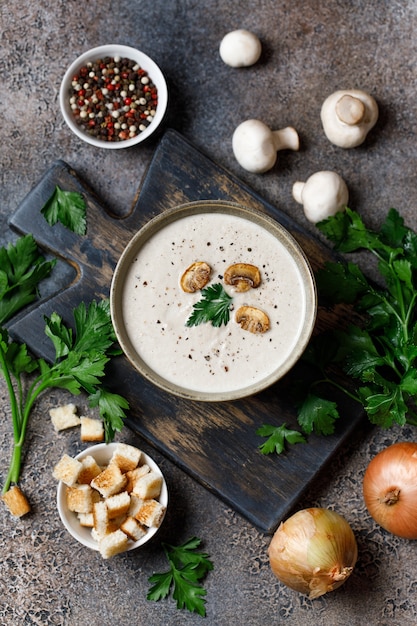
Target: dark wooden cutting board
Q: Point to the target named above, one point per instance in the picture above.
(216, 443)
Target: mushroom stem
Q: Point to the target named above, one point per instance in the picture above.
(286, 139)
(350, 110)
(297, 191)
(347, 116)
(255, 145)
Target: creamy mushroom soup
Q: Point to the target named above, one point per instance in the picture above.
(205, 358)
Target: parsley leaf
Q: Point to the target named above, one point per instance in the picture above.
(214, 307)
(22, 268)
(111, 407)
(318, 415)
(348, 232)
(186, 569)
(341, 281)
(67, 207)
(17, 356)
(81, 356)
(93, 331)
(277, 438)
(387, 408)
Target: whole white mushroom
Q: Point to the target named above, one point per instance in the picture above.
(322, 195)
(240, 48)
(255, 145)
(348, 116)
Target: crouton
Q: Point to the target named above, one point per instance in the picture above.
(101, 519)
(67, 470)
(118, 504)
(95, 535)
(109, 481)
(81, 498)
(91, 429)
(148, 486)
(16, 501)
(126, 457)
(133, 529)
(135, 505)
(133, 475)
(113, 544)
(115, 523)
(90, 469)
(86, 519)
(151, 513)
(63, 417)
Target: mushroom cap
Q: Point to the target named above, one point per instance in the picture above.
(253, 146)
(243, 276)
(240, 48)
(252, 319)
(195, 277)
(339, 112)
(324, 193)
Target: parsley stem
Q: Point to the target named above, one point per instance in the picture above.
(399, 295)
(20, 418)
(329, 381)
(14, 467)
(12, 396)
(410, 309)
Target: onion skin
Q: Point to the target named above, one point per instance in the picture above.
(313, 552)
(390, 489)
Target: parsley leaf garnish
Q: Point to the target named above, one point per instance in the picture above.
(278, 436)
(67, 207)
(22, 268)
(186, 569)
(213, 307)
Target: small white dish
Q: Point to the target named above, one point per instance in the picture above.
(112, 50)
(102, 453)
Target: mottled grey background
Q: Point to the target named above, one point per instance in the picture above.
(310, 48)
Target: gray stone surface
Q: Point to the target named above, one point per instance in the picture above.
(310, 49)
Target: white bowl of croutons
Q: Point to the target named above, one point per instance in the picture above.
(111, 497)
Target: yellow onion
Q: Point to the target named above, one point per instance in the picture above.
(314, 551)
(390, 489)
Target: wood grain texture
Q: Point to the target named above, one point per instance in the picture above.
(216, 443)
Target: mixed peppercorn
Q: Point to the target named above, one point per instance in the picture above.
(113, 99)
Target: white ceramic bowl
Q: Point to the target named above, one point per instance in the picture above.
(211, 364)
(111, 50)
(102, 453)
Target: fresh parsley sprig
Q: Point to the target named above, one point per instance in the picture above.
(213, 307)
(378, 349)
(380, 355)
(67, 207)
(187, 568)
(277, 437)
(79, 365)
(22, 268)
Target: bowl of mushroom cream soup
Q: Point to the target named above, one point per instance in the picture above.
(213, 301)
